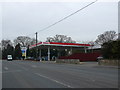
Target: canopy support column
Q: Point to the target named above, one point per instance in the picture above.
(85, 49)
(40, 55)
(71, 51)
(48, 53)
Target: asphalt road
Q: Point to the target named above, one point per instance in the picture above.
(31, 74)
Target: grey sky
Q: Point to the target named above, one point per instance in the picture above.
(26, 18)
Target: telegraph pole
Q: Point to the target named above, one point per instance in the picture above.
(36, 45)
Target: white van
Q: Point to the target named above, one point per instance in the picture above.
(9, 57)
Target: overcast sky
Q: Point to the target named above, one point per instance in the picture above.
(26, 18)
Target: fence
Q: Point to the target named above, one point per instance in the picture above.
(82, 56)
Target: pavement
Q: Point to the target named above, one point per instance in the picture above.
(31, 74)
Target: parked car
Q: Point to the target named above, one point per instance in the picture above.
(30, 58)
(99, 58)
(9, 57)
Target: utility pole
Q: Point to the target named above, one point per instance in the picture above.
(36, 45)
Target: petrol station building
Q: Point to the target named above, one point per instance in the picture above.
(69, 47)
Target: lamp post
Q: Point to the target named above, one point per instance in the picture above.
(36, 45)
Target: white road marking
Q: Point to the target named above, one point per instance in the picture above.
(12, 71)
(6, 68)
(54, 80)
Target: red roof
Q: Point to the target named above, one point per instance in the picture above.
(74, 44)
(60, 44)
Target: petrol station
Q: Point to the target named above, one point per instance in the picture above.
(68, 47)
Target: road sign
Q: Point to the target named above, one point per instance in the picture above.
(23, 49)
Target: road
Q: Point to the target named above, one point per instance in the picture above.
(32, 74)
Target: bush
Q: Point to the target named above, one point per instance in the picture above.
(110, 50)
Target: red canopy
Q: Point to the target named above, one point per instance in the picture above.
(60, 44)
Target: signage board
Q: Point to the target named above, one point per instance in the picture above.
(23, 49)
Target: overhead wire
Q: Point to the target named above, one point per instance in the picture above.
(65, 17)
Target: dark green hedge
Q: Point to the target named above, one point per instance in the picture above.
(111, 50)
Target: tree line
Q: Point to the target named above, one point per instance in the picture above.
(8, 47)
(110, 45)
(108, 41)
(14, 48)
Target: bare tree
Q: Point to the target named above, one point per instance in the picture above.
(60, 38)
(4, 43)
(33, 41)
(4, 48)
(105, 37)
(88, 42)
(50, 39)
(24, 41)
(118, 36)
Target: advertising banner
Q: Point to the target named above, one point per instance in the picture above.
(23, 49)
